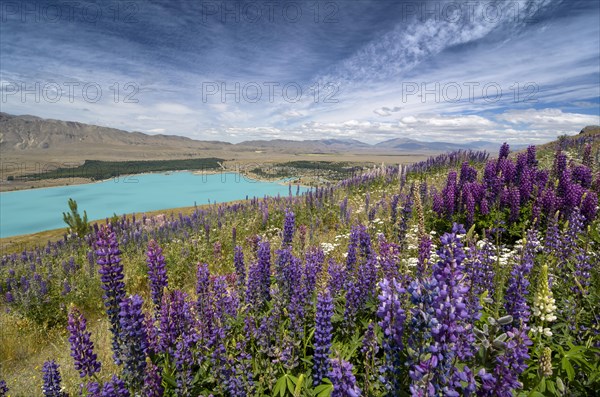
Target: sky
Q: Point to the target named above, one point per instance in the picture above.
(517, 71)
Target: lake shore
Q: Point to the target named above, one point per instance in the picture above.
(17, 244)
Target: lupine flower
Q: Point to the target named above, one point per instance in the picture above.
(288, 228)
(135, 340)
(509, 364)
(82, 348)
(111, 275)
(157, 272)
(204, 304)
(115, 387)
(52, 380)
(259, 277)
(175, 320)
(3, 388)
(343, 380)
(152, 382)
(546, 362)
(240, 267)
(454, 333)
(323, 331)
(422, 360)
(515, 297)
(392, 320)
(449, 194)
(544, 306)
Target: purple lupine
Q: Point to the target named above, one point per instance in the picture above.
(481, 267)
(568, 239)
(175, 320)
(135, 340)
(515, 298)
(392, 318)
(388, 259)
(422, 359)
(504, 151)
(582, 175)
(259, 277)
(468, 174)
(337, 275)
(323, 330)
(352, 247)
(82, 348)
(3, 388)
(509, 364)
(454, 333)
(153, 382)
(469, 202)
(52, 380)
(111, 275)
(589, 206)
(184, 360)
(115, 387)
(531, 157)
(288, 228)
(403, 222)
(240, 267)
(514, 201)
(204, 302)
(449, 194)
(157, 272)
(424, 255)
(313, 264)
(343, 380)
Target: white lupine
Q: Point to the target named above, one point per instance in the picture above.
(544, 305)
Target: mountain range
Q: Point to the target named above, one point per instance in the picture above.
(48, 139)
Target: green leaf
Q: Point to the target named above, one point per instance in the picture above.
(280, 387)
(290, 385)
(299, 384)
(566, 365)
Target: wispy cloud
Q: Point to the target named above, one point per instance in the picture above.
(364, 69)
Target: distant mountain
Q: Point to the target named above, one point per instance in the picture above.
(35, 138)
(30, 132)
(313, 146)
(407, 144)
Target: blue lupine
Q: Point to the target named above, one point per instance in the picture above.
(515, 297)
(288, 228)
(152, 382)
(82, 348)
(157, 272)
(135, 340)
(259, 277)
(52, 380)
(240, 267)
(509, 364)
(392, 320)
(3, 388)
(343, 380)
(111, 275)
(115, 387)
(454, 332)
(323, 329)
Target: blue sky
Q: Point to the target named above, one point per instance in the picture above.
(522, 71)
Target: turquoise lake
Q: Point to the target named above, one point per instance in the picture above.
(35, 210)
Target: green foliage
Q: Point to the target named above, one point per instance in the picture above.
(99, 170)
(76, 223)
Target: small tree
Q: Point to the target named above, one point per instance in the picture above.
(74, 221)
